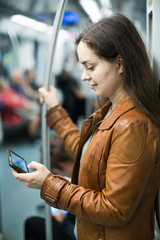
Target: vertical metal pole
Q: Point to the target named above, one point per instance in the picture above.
(47, 83)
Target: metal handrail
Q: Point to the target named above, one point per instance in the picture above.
(47, 84)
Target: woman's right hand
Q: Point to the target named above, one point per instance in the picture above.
(50, 97)
(34, 179)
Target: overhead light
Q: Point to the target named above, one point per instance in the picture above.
(30, 22)
(106, 3)
(92, 9)
(106, 8)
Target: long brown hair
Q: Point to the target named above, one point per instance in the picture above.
(115, 36)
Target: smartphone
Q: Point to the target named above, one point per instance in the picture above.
(17, 162)
(58, 211)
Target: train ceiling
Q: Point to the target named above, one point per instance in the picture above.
(34, 8)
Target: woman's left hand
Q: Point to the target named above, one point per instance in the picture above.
(34, 179)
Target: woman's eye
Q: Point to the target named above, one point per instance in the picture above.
(90, 68)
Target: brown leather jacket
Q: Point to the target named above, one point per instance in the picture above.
(114, 187)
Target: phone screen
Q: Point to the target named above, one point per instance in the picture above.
(17, 162)
(58, 211)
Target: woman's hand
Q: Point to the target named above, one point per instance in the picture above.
(50, 97)
(34, 179)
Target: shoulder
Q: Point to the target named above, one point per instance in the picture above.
(132, 126)
(136, 120)
(134, 135)
(132, 118)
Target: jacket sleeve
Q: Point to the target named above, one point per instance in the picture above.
(59, 120)
(129, 166)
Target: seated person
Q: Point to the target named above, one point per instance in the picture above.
(73, 98)
(12, 103)
(24, 84)
(30, 88)
(17, 110)
(17, 81)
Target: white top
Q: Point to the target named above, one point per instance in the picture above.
(89, 139)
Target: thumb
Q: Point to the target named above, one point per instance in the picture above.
(35, 165)
(43, 93)
(53, 89)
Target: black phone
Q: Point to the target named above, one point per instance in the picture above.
(17, 162)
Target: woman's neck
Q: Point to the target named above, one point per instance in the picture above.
(117, 97)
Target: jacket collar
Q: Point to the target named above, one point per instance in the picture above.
(100, 113)
(122, 107)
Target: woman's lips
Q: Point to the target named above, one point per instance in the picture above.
(93, 86)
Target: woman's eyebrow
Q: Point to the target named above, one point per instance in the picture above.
(84, 62)
(87, 62)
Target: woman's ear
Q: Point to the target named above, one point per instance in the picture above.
(119, 62)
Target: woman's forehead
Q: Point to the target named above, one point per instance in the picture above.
(85, 54)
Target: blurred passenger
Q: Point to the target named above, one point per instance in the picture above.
(12, 103)
(25, 84)
(18, 110)
(62, 221)
(3, 70)
(29, 86)
(17, 81)
(73, 98)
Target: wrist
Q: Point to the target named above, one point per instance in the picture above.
(52, 105)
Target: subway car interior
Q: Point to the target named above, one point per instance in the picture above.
(26, 39)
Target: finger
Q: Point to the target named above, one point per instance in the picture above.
(40, 98)
(19, 176)
(53, 90)
(41, 89)
(15, 174)
(42, 92)
(35, 165)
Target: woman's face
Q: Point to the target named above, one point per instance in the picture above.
(105, 78)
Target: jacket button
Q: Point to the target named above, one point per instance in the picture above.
(85, 124)
(78, 221)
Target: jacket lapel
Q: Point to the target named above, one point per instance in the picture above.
(120, 109)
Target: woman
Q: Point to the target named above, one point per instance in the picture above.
(117, 168)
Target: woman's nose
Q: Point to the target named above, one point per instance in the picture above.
(85, 76)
